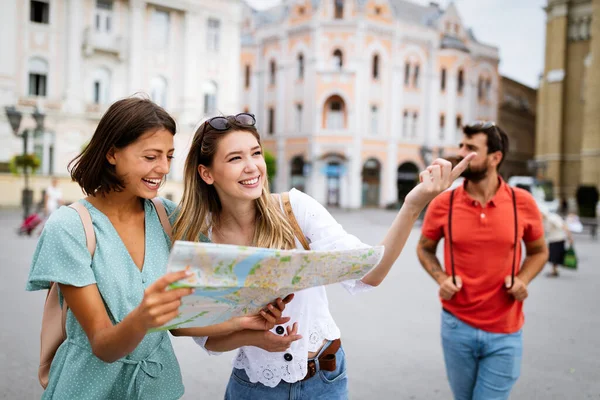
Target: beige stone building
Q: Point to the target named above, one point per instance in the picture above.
(516, 116)
(73, 58)
(568, 113)
(355, 97)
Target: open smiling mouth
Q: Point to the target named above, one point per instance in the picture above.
(153, 184)
(250, 182)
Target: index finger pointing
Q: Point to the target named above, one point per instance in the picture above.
(167, 279)
(462, 166)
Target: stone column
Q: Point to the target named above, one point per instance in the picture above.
(550, 121)
(192, 92)
(74, 101)
(590, 146)
(136, 45)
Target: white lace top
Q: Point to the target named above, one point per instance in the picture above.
(309, 308)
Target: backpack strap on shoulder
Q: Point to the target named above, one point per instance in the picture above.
(287, 206)
(86, 219)
(162, 215)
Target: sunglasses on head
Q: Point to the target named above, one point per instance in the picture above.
(480, 125)
(222, 123)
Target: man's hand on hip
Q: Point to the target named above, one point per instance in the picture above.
(448, 289)
(518, 289)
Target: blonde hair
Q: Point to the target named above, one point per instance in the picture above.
(200, 206)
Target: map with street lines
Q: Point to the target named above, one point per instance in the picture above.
(230, 280)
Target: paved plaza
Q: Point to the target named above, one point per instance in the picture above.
(391, 334)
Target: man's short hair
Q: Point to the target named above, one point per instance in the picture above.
(497, 139)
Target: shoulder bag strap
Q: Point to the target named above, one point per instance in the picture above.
(514, 264)
(450, 236)
(90, 240)
(162, 215)
(287, 206)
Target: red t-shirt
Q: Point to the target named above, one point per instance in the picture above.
(483, 247)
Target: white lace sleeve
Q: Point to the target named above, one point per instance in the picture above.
(356, 286)
(201, 341)
(324, 233)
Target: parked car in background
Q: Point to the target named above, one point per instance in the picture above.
(542, 190)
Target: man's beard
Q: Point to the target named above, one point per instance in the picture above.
(475, 175)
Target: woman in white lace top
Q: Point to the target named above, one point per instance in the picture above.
(226, 197)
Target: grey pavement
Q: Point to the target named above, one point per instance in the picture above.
(391, 334)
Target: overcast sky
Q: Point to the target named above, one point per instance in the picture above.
(516, 27)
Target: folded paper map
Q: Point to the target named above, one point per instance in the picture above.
(230, 281)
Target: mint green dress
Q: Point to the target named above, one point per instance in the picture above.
(151, 371)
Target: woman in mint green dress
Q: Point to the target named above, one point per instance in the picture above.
(117, 296)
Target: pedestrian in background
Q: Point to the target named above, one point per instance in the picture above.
(483, 285)
(557, 233)
(53, 198)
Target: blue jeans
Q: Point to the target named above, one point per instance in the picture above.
(329, 385)
(480, 365)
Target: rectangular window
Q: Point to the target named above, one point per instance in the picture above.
(97, 92)
(40, 11)
(405, 124)
(443, 80)
(212, 34)
(271, 127)
(272, 72)
(210, 103)
(160, 28)
(103, 15)
(416, 76)
(298, 117)
(406, 74)
(415, 125)
(442, 125)
(37, 85)
(339, 9)
(461, 81)
(374, 120)
(247, 77)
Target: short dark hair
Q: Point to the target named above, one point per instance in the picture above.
(122, 124)
(497, 139)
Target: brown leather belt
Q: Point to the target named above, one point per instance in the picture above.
(326, 360)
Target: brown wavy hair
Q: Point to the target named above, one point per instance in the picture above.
(200, 206)
(122, 124)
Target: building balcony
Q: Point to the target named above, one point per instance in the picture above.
(99, 42)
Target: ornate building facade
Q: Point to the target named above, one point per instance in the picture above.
(73, 58)
(355, 97)
(568, 115)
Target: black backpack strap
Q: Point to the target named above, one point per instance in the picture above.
(450, 236)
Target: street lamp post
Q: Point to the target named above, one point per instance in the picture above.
(14, 118)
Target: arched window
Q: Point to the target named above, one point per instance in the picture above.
(300, 66)
(38, 76)
(338, 59)
(159, 90)
(376, 66)
(272, 72)
(101, 86)
(334, 113)
(210, 97)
